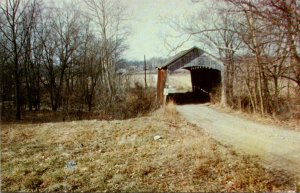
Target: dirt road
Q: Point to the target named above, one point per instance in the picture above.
(277, 147)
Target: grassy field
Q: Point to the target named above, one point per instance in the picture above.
(177, 81)
(123, 156)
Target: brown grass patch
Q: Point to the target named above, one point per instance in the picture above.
(292, 123)
(123, 156)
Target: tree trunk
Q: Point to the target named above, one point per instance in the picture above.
(17, 77)
(276, 94)
(17, 91)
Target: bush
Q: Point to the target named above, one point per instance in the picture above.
(215, 95)
(130, 102)
(137, 101)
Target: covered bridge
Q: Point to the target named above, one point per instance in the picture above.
(206, 75)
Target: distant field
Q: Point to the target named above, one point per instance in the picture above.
(178, 81)
(140, 78)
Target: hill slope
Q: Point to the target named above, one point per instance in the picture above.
(123, 156)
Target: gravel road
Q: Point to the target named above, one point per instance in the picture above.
(277, 147)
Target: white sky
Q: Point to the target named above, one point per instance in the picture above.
(148, 25)
(149, 29)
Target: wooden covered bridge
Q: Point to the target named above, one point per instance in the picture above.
(206, 75)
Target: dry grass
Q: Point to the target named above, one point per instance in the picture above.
(178, 81)
(123, 156)
(292, 123)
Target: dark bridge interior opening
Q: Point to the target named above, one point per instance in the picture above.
(205, 70)
(205, 82)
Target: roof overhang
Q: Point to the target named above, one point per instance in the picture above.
(205, 61)
(191, 59)
(181, 59)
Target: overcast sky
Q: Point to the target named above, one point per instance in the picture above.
(149, 28)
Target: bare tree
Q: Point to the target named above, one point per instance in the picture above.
(270, 31)
(90, 70)
(31, 60)
(60, 38)
(220, 34)
(216, 31)
(16, 32)
(109, 15)
(258, 42)
(5, 77)
(286, 15)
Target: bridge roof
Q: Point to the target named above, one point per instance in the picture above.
(191, 59)
(205, 61)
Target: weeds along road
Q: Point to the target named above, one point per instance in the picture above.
(277, 147)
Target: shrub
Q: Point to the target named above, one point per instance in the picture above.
(137, 101)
